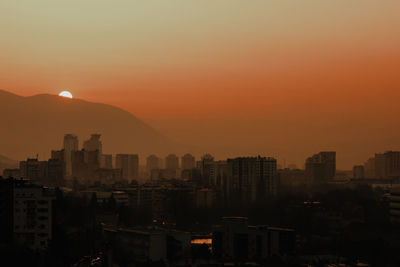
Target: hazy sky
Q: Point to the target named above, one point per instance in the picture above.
(286, 78)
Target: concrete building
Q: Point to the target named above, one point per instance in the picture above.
(70, 145)
(395, 204)
(205, 198)
(12, 173)
(292, 177)
(159, 174)
(188, 162)
(358, 172)
(252, 178)
(206, 165)
(32, 218)
(106, 161)
(108, 176)
(392, 164)
(148, 245)
(321, 167)
(129, 164)
(33, 169)
(55, 172)
(6, 210)
(93, 143)
(383, 165)
(234, 240)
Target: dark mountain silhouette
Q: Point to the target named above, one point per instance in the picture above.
(36, 125)
(6, 163)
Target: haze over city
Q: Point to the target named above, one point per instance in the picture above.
(200, 133)
(229, 77)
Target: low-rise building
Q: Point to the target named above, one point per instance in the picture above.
(235, 240)
(147, 245)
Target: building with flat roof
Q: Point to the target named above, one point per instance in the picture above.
(129, 164)
(235, 240)
(26, 212)
(148, 245)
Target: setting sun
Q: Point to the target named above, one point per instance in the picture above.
(65, 94)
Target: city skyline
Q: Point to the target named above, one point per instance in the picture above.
(255, 72)
(199, 133)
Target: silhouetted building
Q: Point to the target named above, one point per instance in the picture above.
(6, 210)
(12, 173)
(79, 166)
(55, 172)
(147, 246)
(33, 169)
(292, 177)
(26, 213)
(93, 143)
(358, 172)
(92, 159)
(188, 162)
(158, 174)
(129, 164)
(206, 165)
(235, 241)
(172, 162)
(392, 163)
(321, 167)
(70, 145)
(205, 198)
(395, 204)
(106, 161)
(108, 176)
(383, 165)
(253, 178)
(193, 175)
(58, 154)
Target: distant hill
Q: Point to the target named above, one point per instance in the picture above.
(6, 163)
(36, 125)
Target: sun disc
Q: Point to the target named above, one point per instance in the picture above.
(65, 94)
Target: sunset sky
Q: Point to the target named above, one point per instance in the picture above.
(281, 78)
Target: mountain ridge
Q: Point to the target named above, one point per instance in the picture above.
(36, 125)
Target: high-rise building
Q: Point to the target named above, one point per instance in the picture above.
(106, 161)
(33, 169)
(383, 165)
(32, 216)
(129, 164)
(395, 204)
(93, 143)
(49, 173)
(369, 168)
(358, 172)
(79, 166)
(188, 162)
(92, 146)
(172, 162)
(70, 145)
(321, 167)
(55, 172)
(6, 210)
(253, 178)
(206, 166)
(392, 164)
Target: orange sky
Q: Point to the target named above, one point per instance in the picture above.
(230, 76)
